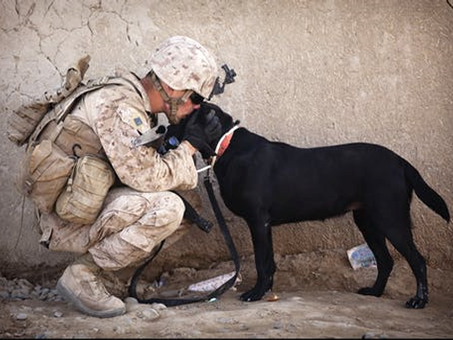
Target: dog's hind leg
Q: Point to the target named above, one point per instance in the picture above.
(376, 241)
(393, 221)
(402, 240)
(264, 259)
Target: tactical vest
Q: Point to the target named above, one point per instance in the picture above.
(65, 168)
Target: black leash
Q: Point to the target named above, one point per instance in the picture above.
(206, 226)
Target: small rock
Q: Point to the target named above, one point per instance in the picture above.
(158, 306)
(148, 314)
(57, 314)
(278, 325)
(21, 316)
(130, 301)
(4, 294)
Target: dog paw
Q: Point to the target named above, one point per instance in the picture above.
(368, 291)
(251, 295)
(416, 303)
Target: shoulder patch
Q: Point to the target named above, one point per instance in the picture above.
(138, 121)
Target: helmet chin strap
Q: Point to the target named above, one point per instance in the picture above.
(174, 103)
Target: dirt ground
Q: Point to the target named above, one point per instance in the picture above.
(316, 299)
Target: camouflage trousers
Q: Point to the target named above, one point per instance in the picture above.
(129, 226)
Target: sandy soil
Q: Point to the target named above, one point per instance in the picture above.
(316, 299)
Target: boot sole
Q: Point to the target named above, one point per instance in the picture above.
(66, 293)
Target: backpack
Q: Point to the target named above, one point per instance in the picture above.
(24, 120)
(50, 162)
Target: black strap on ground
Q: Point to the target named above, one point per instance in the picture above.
(206, 226)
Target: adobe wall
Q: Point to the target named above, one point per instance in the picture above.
(310, 73)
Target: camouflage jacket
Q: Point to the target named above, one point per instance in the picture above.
(118, 114)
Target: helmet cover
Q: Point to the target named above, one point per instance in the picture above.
(184, 64)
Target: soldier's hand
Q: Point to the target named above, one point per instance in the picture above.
(202, 131)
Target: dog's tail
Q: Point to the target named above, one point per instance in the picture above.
(427, 194)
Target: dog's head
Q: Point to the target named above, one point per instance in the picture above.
(226, 121)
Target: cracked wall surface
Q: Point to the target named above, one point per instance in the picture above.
(310, 73)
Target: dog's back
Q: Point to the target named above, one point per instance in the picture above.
(296, 184)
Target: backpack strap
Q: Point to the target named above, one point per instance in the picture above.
(63, 108)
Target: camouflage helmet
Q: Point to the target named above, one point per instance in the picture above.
(184, 64)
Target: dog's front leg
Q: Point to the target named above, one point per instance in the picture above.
(264, 261)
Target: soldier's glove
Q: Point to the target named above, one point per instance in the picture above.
(202, 131)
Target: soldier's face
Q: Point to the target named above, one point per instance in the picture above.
(184, 108)
(187, 108)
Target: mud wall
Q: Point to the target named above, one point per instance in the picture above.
(310, 73)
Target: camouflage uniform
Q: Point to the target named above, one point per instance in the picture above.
(137, 217)
(143, 212)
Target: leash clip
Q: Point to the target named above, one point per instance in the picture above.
(207, 167)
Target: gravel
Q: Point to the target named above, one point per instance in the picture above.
(22, 289)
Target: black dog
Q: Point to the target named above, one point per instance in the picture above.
(272, 183)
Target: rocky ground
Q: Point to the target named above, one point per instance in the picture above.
(315, 299)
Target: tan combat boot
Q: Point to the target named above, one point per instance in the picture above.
(81, 285)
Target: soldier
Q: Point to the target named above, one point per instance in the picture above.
(143, 211)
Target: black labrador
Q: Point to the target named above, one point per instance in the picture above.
(271, 183)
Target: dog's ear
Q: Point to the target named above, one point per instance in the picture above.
(227, 122)
(225, 119)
